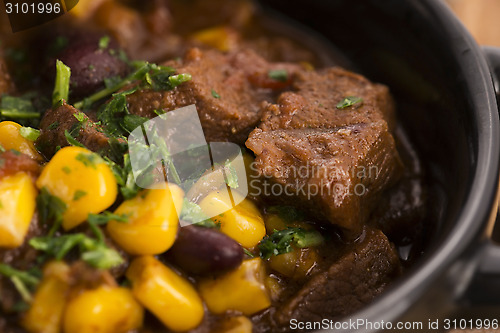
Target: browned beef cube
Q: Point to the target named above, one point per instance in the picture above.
(335, 172)
(348, 284)
(314, 102)
(335, 160)
(228, 90)
(56, 121)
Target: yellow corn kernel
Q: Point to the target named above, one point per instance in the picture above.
(296, 264)
(17, 206)
(240, 324)
(46, 310)
(103, 310)
(82, 180)
(241, 290)
(153, 221)
(274, 222)
(10, 138)
(85, 8)
(169, 296)
(222, 38)
(274, 286)
(243, 223)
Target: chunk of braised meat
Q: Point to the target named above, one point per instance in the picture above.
(401, 211)
(82, 276)
(313, 103)
(335, 158)
(64, 118)
(336, 173)
(349, 283)
(12, 162)
(228, 90)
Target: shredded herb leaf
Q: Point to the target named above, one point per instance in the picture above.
(104, 42)
(92, 251)
(215, 94)
(17, 108)
(104, 218)
(78, 195)
(50, 209)
(281, 242)
(89, 160)
(80, 116)
(131, 121)
(177, 80)
(29, 133)
(193, 213)
(278, 75)
(61, 88)
(230, 175)
(54, 125)
(248, 253)
(23, 281)
(154, 76)
(71, 140)
(349, 101)
(124, 177)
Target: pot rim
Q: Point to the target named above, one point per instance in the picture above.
(481, 199)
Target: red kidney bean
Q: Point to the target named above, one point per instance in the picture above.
(91, 63)
(203, 251)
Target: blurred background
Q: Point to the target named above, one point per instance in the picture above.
(481, 18)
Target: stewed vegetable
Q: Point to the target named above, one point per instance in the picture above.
(175, 166)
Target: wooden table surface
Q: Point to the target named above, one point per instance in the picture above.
(481, 17)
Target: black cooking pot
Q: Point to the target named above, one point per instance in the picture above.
(445, 94)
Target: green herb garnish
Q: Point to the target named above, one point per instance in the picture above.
(78, 195)
(215, 94)
(89, 160)
(131, 121)
(61, 88)
(104, 42)
(281, 242)
(105, 217)
(23, 281)
(50, 209)
(124, 177)
(349, 101)
(278, 75)
(80, 116)
(193, 213)
(92, 251)
(230, 175)
(53, 126)
(71, 140)
(177, 80)
(29, 133)
(17, 108)
(248, 253)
